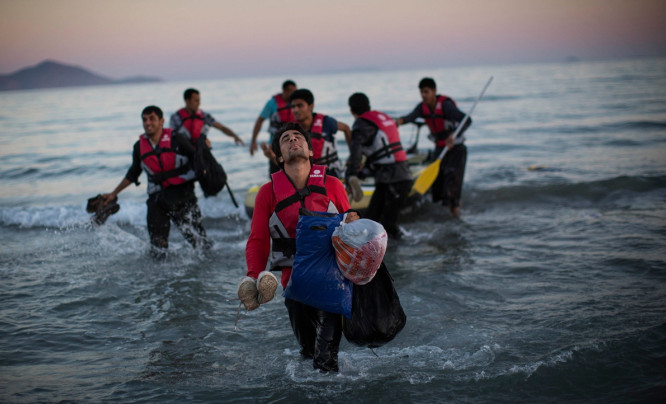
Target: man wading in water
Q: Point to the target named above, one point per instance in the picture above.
(165, 157)
(298, 184)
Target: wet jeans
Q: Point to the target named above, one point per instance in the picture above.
(318, 332)
(449, 182)
(185, 215)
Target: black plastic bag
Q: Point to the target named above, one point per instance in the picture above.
(209, 172)
(377, 316)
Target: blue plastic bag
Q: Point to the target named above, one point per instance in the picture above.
(316, 279)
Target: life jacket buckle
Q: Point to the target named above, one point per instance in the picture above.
(304, 192)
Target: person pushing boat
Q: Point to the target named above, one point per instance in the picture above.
(375, 136)
(443, 117)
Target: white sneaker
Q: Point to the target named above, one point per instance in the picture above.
(247, 293)
(266, 285)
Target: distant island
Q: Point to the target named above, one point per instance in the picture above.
(51, 74)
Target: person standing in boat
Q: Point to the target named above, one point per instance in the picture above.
(278, 111)
(165, 157)
(375, 136)
(442, 117)
(322, 129)
(192, 122)
(299, 183)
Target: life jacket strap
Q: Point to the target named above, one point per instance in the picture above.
(158, 178)
(299, 196)
(286, 246)
(182, 121)
(327, 159)
(385, 151)
(440, 135)
(157, 151)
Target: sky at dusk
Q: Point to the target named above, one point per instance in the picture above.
(207, 39)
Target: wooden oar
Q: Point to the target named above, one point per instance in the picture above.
(427, 177)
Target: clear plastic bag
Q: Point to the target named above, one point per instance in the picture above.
(359, 249)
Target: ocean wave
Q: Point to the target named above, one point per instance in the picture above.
(593, 191)
(611, 127)
(19, 173)
(622, 79)
(131, 213)
(498, 97)
(40, 172)
(641, 124)
(50, 216)
(221, 208)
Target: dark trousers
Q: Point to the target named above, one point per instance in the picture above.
(447, 187)
(385, 205)
(318, 333)
(185, 215)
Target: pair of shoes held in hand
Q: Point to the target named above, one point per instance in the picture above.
(253, 292)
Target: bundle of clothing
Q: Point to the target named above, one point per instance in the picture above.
(100, 210)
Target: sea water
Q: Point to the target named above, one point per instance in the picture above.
(551, 287)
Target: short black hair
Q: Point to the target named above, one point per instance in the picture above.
(152, 109)
(288, 83)
(189, 92)
(302, 94)
(359, 103)
(275, 146)
(427, 82)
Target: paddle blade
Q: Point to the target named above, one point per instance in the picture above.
(427, 177)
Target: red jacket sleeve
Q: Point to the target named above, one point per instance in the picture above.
(336, 191)
(257, 249)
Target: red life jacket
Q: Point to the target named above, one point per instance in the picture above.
(386, 147)
(163, 166)
(283, 109)
(439, 126)
(193, 124)
(323, 150)
(283, 220)
(283, 114)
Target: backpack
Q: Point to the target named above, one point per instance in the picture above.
(209, 172)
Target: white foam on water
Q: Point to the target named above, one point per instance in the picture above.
(131, 212)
